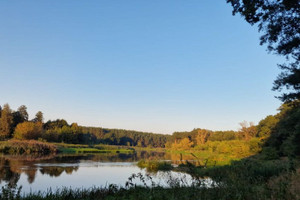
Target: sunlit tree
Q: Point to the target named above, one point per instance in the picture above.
(39, 117)
(202, 136)
(247, 130)
(28, 130)
(6, 122)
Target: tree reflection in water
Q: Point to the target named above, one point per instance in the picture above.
(12, 166)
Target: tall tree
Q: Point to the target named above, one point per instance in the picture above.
(20, 116)
(247, 130)
(202, 136)
(39, 117)
(23, 113)
(6, 122)
(279, 22)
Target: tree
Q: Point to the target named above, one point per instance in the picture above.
(6, 122)
(28, 130)
(279, 21)
(20, 116)
(202, 136)
(266, 126)
(184, 144)
(247, 130)
(39, 117)
(75, 128)
(59, 123)
(23, 113)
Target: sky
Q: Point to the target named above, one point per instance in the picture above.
(155, 66)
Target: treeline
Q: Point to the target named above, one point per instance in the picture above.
(202, 136)
(16, 124)
(61, 131)
(280, 133)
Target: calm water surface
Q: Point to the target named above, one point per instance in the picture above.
(35, 173)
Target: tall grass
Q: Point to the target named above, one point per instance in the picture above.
(27, 147)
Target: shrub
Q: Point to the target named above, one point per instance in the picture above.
(28, 130)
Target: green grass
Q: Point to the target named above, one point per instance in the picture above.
(38, 147)
(92, 150)
(79, 148)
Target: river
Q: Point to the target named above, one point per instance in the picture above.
(39, 173)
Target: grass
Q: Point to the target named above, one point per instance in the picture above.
(21, 147)
(27, 147)
(79, 148)
(91, 150)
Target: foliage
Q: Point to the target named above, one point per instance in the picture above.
(6, 122)
(20, 115)
(279, 22)
(247, 130)
(266, 126)
(26, 147)
(39, 117)
(28, 131)
(223, 135)
(285, 135)
(184, 144)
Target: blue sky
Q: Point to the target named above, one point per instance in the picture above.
(158, 66)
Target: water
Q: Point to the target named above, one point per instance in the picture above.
(35, 173)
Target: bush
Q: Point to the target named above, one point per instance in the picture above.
(28, 131)
(270, 153)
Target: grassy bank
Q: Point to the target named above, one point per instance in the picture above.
(79, 148)
(27, 147)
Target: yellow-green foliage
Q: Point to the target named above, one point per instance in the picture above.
(237, 148)
(28, 130)
(183, 144)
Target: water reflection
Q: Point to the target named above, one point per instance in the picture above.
(36, 172)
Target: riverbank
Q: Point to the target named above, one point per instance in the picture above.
(27, 147)
(79, 148)
(255, 177)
